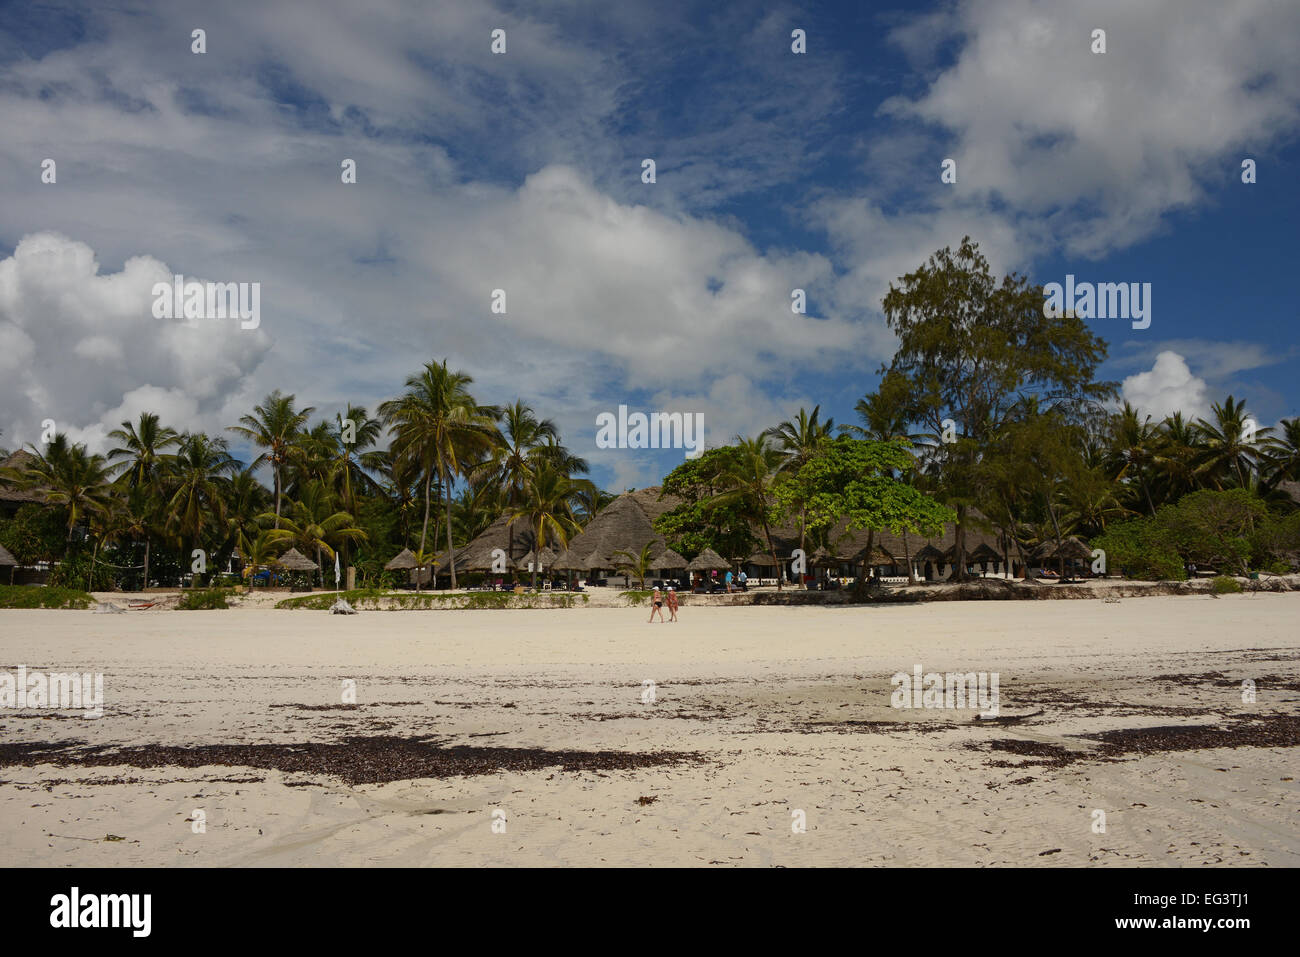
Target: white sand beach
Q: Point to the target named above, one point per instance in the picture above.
(776, 703)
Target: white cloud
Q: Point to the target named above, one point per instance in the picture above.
(85, 350)
(1098, 147)
(1168, 387)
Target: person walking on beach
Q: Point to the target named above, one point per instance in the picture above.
(656, 604)
(728, 581)
(672, 603)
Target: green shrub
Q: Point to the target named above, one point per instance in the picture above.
(74, 569)
(203, 599)
(37, 596)
(636, 596)
(1142, 549)
(1224, 585)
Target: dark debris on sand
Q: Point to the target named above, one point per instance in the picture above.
(1266, 731)
(367, 760)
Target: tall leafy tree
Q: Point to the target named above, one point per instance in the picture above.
(141, 453)
(970, 348)
(71, 477)
(437, 423)
(1231, 450)
(197, 487)
(274, 426)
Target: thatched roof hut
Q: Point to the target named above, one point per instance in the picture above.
(624, 525)
(547, 560)
(668, 559)
(403, 561)
(6, 558)
(983, 552)
(513, 538)
(708, 560)
(566, 561)
(13, 493)
(296, 561)
(929, 553)
(1070, 548)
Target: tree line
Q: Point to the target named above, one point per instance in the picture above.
(989, 415)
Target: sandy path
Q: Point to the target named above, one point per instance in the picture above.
(773, 698)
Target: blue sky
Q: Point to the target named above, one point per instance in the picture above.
(522, 171)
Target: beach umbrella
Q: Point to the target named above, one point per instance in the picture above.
(566, 561)
(1072, 548)
(403, 561)
(547, 560)
(668, 559)
(929, 554)
(296, 561)
(336, 570)
(708, 561)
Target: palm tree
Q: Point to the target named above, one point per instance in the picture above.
(71, 477)
(547, 504)
(1230, 454)
(143, 449)
(399, 481)
(885, 413)
(274, 426)
(638, 564)
(797, 441)
(352, 434)
(749, 481)
(137, 516)
(1133, 442)
(315, 525)
(438, 424)
(257, 552)
(1283, 461)
(197, 487)
(1177, 448)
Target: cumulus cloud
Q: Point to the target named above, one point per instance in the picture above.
(84, 349)
(1097, 147)
(1167, 387)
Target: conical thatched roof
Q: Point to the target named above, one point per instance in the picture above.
(566, 561)
(822, 557)
(1070, 547)
(708, 560)
(929, 553)
(624, 525)
(983, 552)
(547, 561)
(878, 556)
(296, 561)
(11, 490)
(668, 559)
(404, 560)
(512, 537)
(6, 558)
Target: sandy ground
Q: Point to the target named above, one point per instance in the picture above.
(784, 710)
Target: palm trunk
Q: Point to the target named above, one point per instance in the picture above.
(277, 496)
(871, 547)
(907, 556)
(90, 579)
(451, 558)
(147, 543)
(959, 546)
(424, 529)
(772, 551)
(537, 554)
